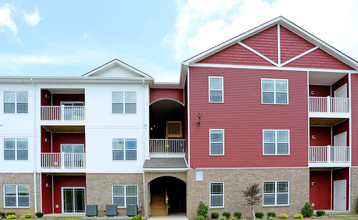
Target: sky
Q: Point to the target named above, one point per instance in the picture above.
(71, 38)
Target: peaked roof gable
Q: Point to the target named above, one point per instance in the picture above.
(117, 69)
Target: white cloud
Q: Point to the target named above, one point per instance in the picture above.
(203, 24)
(7, 22)
(32, 18)
(165, 40)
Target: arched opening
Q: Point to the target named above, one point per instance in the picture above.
(168, 195)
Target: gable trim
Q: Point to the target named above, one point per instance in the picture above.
(299, 56)
(257, 53)
(278, 45)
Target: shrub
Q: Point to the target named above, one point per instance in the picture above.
(298, 216)
(10, 213)
(226, 215)
(214, 215)
(283, 216)
(202, 210)
(320, 213)
(233, 218)
(270, 218)
(28, 215)
(222, 218)
(200, 217)
(357, 206)
(271, 214)
(39, 214)
(2, 214)
(307, 210)
(259, 215)
(137, 217)
(237, 215)
(11, 216)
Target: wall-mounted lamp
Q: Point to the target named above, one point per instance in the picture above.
(46, 140)
(313, 92)
(47, 96)
(313, 137)
(199, 116)
(313, 183)
(48, 185)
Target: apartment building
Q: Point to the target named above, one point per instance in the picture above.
(273, 106)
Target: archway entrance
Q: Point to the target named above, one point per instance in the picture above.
(168, 195)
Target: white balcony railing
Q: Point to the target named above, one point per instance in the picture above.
(167, 146)
(329, 154)
(63, 113)
(329, 104)
(63, 160)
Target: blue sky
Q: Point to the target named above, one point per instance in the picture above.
(40, 37)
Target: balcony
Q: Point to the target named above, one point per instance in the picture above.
(63, 160)
(329, 156)
(167, 147)
(329, 106)
(63, 113)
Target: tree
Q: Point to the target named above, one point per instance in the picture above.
(252, 196)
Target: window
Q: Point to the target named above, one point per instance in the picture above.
(15, 149)
(16, 195)
(18, 104)
(123, 195)
(216, 141)
(276, 142)
(124, 149)
(216, 89)
(274, 91)
(217, 194)
(124, 102)
(275, 193)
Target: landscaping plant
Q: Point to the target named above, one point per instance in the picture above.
(271, 214)
(259, 215)
(252, 196)
(307, 210)
(298, 216)
(222, 218)
(39, 214)
(2, 214)
(233, 218)
(226, 215)
(202, 209)
(237, 215)
(357, 207)
(320, 213)
(11, 216)
(200, 217)
(283, 216)
(214, 215)
(137, 217)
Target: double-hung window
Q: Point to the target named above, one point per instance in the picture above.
(216, 141)
(217, 194)
(124, 149)
(276, 193)
(16, 195)
(124, 102)
(276, 142)
(216, 89)
(274, 91)
(15, 149)
(15, 102)
(123, 195)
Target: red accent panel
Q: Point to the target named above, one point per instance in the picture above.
(320, 91)
(46, 193)
(65, 181)
(176, 94)
(58, 98)
(244, 117)
(186, 123)
(340, 83)
(45, 146)
(354, 115)
(236, 54)
(265, 43)
(67, 138)
(323, 136)
(342, 127)
(319, 59)
(45, 101)
(292, 45)
(320, 194)
(342, 174)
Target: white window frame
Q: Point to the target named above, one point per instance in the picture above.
(274, 92)
(276, 193)
(17, 196)
(223, 142)
(276, 130)
(125, 149)
(124, 102)
(16, 102)
(125, 194)
(223, 195)
(222, 90)
(16, 148)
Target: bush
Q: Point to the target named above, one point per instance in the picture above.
(233, 218)
(259, 215)
(283, 216)
(202, 210)
(320, 213)
(237, 215)
(270, 218)
(222, 218)
(10, 213)
(226, 215)
(307, 210)
(2, 214)
(11, 216)
(39, 214)
(357, 206)
(214, 215)
(271, 214)
(137, 217)
(200, 217)
(298, 216)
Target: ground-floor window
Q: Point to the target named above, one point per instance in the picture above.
(123, 195)
(16, 195)
(217, 194)
(275, 193)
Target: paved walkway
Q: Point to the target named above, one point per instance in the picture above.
(175, 216)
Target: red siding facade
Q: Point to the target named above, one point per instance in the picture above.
(320, 91)
(322, 136)
(320, 189)
(340, 83)
(175, 94)
(67, 138)
(354, 101)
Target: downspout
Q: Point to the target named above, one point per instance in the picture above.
(35, 145)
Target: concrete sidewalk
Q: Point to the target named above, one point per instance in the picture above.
(175, 216)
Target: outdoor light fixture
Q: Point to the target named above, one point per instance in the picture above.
(46, 140)
(313, 137)
(313, 92)
(199, 116)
